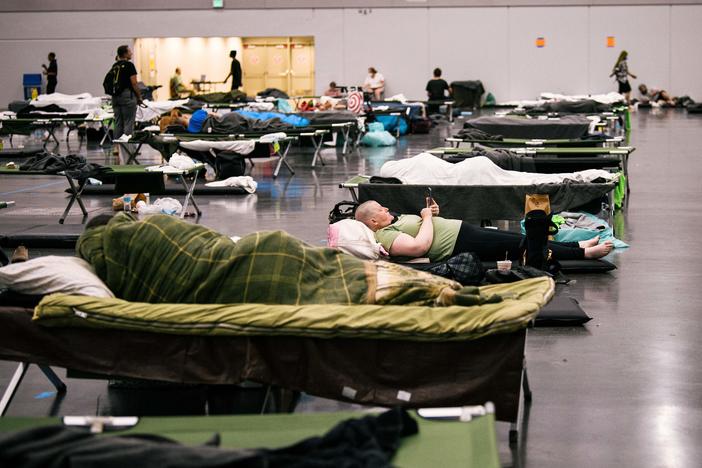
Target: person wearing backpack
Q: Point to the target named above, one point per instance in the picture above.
(124, 91)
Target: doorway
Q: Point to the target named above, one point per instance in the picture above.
(284, 63)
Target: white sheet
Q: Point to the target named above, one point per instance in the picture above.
(154, 109)
(73, 103)
(609, 98)
(237, 146)
(425, 168)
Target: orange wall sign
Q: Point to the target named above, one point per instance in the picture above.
(610, 41)
(540, 42)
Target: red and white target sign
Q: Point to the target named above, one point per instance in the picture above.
(355, 102)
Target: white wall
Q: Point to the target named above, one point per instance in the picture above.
(496, 45)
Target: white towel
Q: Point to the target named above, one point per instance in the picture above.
(245, 182)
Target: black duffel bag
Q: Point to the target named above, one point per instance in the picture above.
(228, 164)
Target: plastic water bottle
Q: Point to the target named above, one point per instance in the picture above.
(127, 204)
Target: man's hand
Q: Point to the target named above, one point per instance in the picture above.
(426, 213)
(431, 204)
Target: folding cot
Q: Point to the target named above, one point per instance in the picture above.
(408, 371)
(562, 159)
(607, 142)
(25, 126)
(168, 143)
(130, 178)
(470, 442)
(477, 202)
(566, 127)
(334, 122)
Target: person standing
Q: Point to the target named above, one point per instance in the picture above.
(621, 71)
(126, 95)
(436, 91)
(51, 73)
(234, 72)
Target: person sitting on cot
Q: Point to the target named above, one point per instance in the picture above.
(333, 90)
(429, 235)
(374, 84)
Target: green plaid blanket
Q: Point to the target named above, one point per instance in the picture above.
(163, 259)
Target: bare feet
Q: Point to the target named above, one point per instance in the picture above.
(589, 243)
(599, 251)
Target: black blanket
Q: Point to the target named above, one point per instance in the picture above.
(370, 441)
(73, 165)
(567, 127)
(233, 122)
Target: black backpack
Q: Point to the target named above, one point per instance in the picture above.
(229, 164)
(343, 210)
(111, 82)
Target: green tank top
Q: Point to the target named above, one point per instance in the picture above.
(445, 234)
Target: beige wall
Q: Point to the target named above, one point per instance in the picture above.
(157, 59)
(495, 45)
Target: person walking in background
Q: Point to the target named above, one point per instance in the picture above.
(436, 91)
(126, 95)
(51, 73)
(621, 71)
(374, 83)
(234, 72)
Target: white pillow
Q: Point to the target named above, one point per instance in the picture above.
(53, 274)
(354, 238)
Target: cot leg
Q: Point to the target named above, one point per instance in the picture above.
(524, 400)
(106, 134)
(282, 161)
(625, 170)
(345, 131)
(53, 378)
(354, 196)
(317, 147)
(132, 155)
(189, 195)
(16, 380)
(76, 192)
(51, 135)
(12, 387)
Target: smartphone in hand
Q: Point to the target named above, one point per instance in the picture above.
(428, 198)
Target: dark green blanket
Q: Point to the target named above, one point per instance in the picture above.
(163, 259)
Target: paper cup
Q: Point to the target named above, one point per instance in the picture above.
(504, 265)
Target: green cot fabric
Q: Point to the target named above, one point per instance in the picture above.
(520, 303)
(445, 234)
(163, 259)
(620, 191)
(438, 443)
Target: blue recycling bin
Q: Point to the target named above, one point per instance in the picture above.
(31, 82)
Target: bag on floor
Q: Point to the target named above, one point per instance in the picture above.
(229, 164)
(466, 268)
(535, 252)
(421, 125)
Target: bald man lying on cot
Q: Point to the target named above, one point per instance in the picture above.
(162, 259)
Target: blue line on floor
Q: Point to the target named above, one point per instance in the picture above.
(28, 189)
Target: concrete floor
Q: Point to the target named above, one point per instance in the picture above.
(624, 390)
